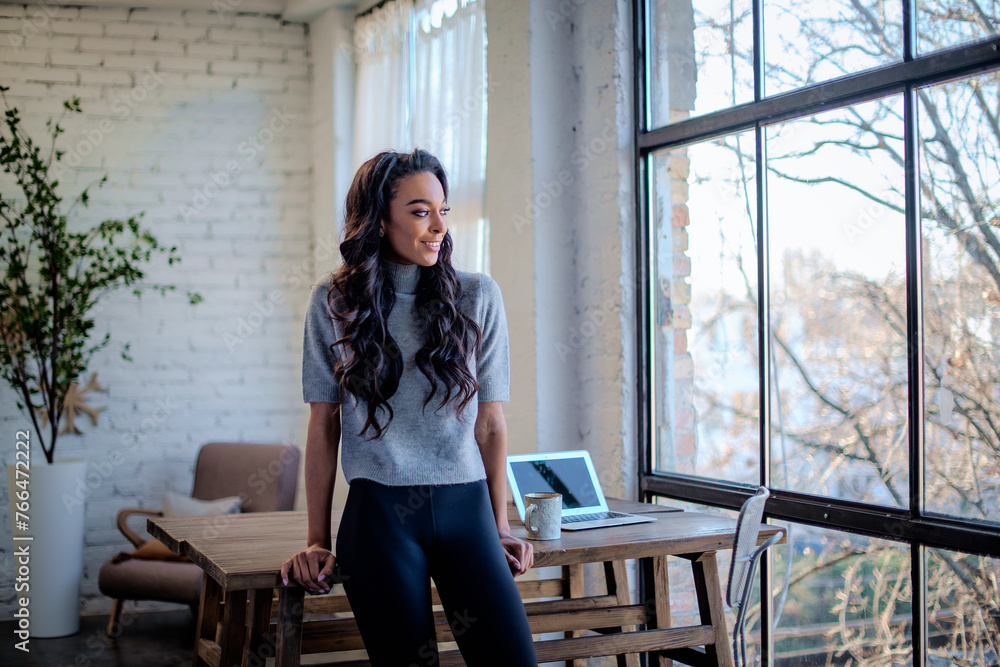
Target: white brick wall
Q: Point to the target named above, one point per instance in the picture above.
(200, 120)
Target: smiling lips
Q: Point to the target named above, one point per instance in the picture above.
(433, 245)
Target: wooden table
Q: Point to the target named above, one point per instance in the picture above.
(241, 555)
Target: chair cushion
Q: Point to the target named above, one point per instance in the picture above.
(141, 579)
(175, 504)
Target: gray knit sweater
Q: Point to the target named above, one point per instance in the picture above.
(421, 446)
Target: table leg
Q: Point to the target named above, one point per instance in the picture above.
(616, 576)
(574, 577)
(289, 631)
(234, 629)
(712, 607)
(208, 617)
(259, 645)
(661, 587)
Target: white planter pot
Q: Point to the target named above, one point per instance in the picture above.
(54, 557)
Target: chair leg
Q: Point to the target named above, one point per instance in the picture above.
(116, 612)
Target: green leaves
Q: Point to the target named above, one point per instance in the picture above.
(53, 277)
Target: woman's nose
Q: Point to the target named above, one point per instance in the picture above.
(439, 225)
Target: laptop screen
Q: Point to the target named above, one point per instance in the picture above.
(568, 476)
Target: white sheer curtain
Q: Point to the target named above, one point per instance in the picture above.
(440, 105)
(382, 41)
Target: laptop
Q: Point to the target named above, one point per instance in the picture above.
(571, 474)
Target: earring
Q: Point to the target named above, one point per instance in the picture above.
(381, 233)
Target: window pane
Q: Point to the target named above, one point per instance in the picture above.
(963, 623)
(838, 308)
(700, 57)
(811, 42)
(705, 326)
(845, 600)
(945, 23)
(960, 201)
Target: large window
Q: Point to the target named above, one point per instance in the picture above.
(819, 243)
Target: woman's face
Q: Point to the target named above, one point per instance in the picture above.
(416, 225)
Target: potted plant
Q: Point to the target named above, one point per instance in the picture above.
(53, 276)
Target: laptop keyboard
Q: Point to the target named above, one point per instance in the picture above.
(594, 516)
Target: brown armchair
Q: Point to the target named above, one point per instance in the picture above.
(263, 476)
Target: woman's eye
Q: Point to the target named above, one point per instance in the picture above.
(445, 210)
(422, 213)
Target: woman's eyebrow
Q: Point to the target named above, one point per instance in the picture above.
(419, 201)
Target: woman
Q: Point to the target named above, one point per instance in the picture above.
(407, 360)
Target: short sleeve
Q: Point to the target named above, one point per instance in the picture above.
(318, 361)
(493, 369)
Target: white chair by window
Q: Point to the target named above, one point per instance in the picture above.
(746, 556)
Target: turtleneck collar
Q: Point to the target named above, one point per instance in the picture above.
(404, 276)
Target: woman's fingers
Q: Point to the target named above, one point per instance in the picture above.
(311, 569)
(327, 572)
(528, 557)
(520, 554)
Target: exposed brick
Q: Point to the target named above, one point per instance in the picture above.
(259, 84)
(258, 52)
(144, 30)
(292, 35)
(683, 367)
(213, 51)
(294, 54)
(682, 318)
(679, 237)
(679, 216)
(166, 64)
(158, 152)
(159, 47)
(145, 15)
(106, 14)
(680, 342)
(234, 67)
(231, 36)
(129, 62)
(682, 265)
(680, 167)
(24, 56)
(106, 44)
(285, 70)
(45, 42)
(43, 74)
(182, 33)
(252, 22)
(11, 24)
(105, 77)
(66, 27)
(681, 293)
(684, 445)
(212, 19)
(202, 81)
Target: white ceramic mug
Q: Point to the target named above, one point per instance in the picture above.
(543, 515)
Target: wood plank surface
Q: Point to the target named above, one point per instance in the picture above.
(244, 552)
(232, 550)
(636, 642)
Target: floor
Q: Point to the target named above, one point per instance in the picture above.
(149, 639)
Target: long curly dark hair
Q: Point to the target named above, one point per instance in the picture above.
(361, 297)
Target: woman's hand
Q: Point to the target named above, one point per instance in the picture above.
(520, 553)
(312, 568)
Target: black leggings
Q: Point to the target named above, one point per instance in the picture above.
(392, 539)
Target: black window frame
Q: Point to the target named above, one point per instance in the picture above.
(910, 525)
